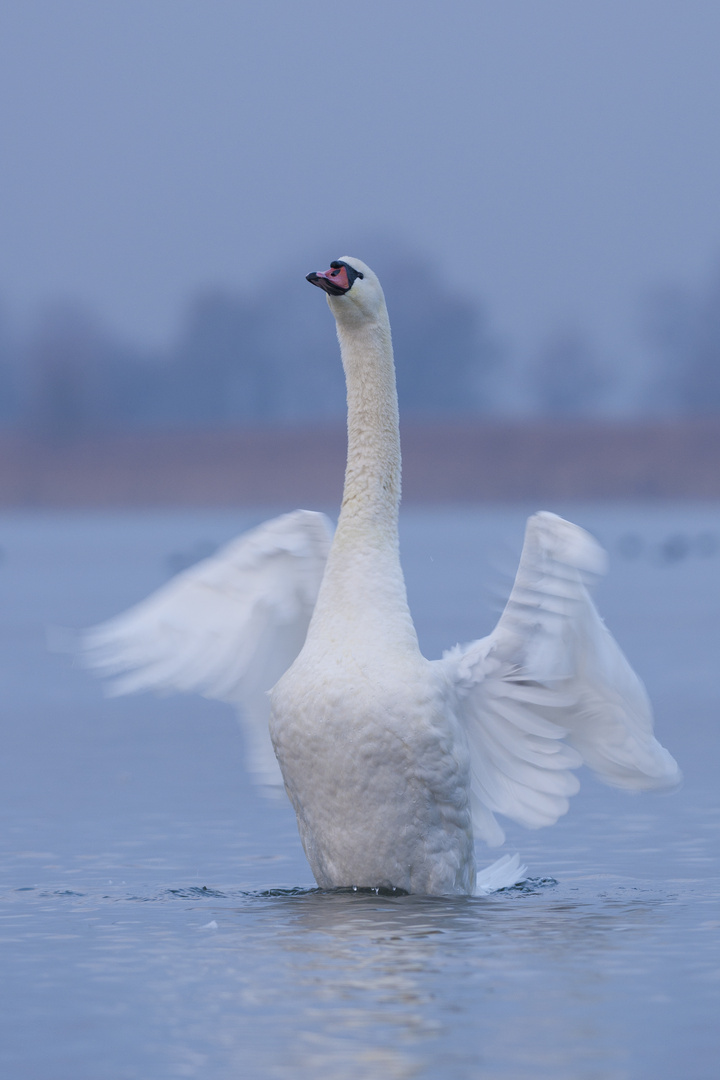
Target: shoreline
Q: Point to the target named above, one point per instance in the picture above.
(466, 461)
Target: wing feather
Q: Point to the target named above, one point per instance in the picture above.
(227, 628)
(550, 689)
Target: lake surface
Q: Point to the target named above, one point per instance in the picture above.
(158, 918)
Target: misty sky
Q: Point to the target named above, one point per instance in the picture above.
(556, 158)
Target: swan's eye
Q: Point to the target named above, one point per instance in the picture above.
(352, 274)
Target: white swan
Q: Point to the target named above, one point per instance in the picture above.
(394, 764)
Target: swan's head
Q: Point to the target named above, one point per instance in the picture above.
(353, 290)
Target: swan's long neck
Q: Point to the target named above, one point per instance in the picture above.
(363, 582)
(371, 495)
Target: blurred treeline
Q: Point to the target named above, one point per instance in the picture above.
(263, 359)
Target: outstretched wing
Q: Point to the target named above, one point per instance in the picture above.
(227, 628)
(550, 689)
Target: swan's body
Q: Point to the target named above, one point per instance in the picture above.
(395, 764)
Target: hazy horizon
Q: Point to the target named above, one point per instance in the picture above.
(555, 163)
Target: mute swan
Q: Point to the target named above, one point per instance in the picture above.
(394, 764)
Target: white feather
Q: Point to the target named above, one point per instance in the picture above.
(502, 874)
(226, 628)
(550, 689)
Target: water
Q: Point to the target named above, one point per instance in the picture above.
(158, 920)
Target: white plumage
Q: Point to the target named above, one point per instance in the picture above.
(226, 628)
(394, 764)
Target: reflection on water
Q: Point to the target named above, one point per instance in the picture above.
(562, 980)
(444, 983)
(158, 921)
(547, 981)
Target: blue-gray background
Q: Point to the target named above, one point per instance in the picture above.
(552, 167)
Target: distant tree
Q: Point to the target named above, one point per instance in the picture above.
(445, 353)
(567, 378)
(247, 359)
(213, 370)
(133, 388)
(9, 375)
(298, 346)
(61, 356)
(79, 377)
(241, 359)
(669, 324)
(684, 331)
